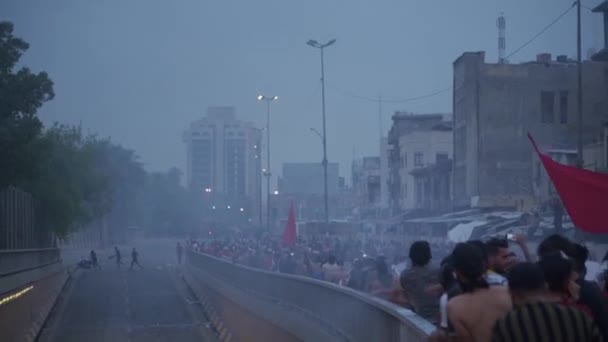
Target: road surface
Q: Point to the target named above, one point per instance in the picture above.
(112, 304)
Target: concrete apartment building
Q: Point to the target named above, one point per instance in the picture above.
(223, 160)
(414, 140)
(496, 105)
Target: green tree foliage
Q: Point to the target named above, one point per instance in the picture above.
(69, 187)
(21, 94)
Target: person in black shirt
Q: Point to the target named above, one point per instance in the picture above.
(134, 259)
(94, 262)
(118, 257)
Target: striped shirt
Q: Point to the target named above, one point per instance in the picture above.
(548, 322)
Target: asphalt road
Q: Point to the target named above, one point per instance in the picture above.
(112, 304)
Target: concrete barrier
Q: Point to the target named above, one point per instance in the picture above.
(30, 282)
(305, 308)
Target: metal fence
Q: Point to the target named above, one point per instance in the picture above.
(354, 315)
(18, 229)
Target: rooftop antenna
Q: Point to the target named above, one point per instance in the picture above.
(501, 23)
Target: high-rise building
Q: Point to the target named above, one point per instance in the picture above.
(223, 160)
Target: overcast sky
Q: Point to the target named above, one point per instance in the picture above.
(140, 70)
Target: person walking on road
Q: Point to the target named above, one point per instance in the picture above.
(180, 252)
(135, 259)
(94, 263)
(118, 257)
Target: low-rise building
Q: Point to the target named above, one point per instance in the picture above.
(401, 156)
(497, 105)
(433, 184)
(367, 186)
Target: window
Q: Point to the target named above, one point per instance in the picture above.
(441, 157)
(404, 161)
(547, 106)
(563, 107)
(404, 190)
(418, 192)
(418, 159)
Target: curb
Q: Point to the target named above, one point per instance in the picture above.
(44, 313)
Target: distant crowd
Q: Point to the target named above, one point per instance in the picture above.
(473, 291)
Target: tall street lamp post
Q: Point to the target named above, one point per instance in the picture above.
(267, 172)
(322, 47)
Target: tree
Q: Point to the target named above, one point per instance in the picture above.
(21, 94)
(68, 187)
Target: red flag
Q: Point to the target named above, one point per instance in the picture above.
(583, 192)
(289, 234)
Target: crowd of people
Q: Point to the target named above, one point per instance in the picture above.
(472, 291)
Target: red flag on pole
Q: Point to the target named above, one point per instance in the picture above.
(583, 192)
(289, 234)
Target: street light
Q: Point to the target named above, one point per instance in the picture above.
(322, 47)
(317, 132)
(267, 172)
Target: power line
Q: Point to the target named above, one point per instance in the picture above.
(376, 100)
(542, 31)
(441, 91)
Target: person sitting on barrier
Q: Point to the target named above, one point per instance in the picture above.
(416, 280)
(475, 312)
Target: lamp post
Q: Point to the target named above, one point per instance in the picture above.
(579, 86)
(322, 47)
(267, 172)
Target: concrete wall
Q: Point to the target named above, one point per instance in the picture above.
(33, 284)
(496, 105)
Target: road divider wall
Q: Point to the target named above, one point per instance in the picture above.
(306, 308)
(30, 282)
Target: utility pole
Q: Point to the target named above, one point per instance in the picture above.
(580, 162)
(380, 125)
(322, 47)
(267, 173)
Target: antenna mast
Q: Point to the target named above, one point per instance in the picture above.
(501, 23)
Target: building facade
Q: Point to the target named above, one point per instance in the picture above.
(404, 124)
(433, 187)
(602, 55)
(367, 186)
(223, 160)
(420, 149)
(497, 105)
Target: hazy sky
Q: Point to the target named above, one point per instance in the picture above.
(141, 70)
